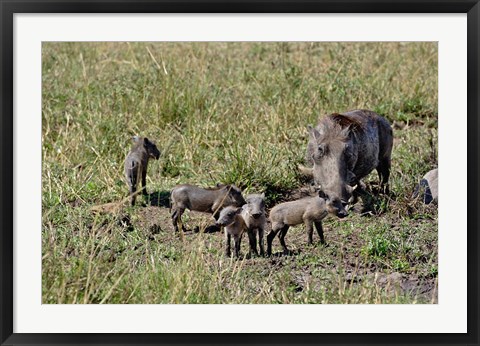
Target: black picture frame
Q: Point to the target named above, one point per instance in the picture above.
(9, 8)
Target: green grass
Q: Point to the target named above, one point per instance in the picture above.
(231, 113)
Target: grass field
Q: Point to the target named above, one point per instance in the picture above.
(230, 113)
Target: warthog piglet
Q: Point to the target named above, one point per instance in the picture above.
(231, 219)
(210, 200)
(255, 220)
(136, 164)
(309, 210)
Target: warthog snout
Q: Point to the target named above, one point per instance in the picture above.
(223, 221)
(342, 213)
(334, 205)
(337, 207)
(257, 215)
(227, 216)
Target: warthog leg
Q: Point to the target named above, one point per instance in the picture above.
(228, 240)
(133, 195)
(177, 218)
(309, 227)
(383, 170)
(237, 239)
(282, 235)
(319, 228)
(281, 231)
(270, 237)
(260, 241)
(253, 242)
(144, 182)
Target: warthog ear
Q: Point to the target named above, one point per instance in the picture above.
(346, 131)
(146, 142)
(227, 187)
(313, 132)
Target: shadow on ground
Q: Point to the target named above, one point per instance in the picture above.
(159, 199)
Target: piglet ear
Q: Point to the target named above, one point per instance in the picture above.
(146, 142)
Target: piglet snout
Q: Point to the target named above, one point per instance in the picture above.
(342, 213)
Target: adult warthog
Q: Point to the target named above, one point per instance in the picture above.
(343, 149)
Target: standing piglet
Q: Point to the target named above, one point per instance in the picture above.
(255, 220)
(309, 210)
(136, 164)
(210, 200)
(231, 219)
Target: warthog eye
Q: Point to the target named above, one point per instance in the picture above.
(321, 150)
(322, 194)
